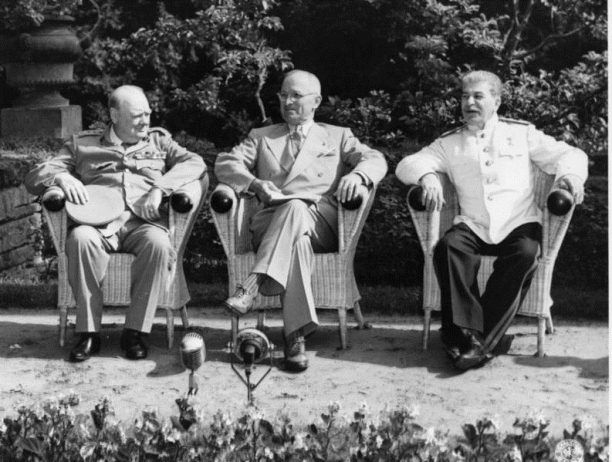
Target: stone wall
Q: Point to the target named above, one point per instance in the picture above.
(20, 218)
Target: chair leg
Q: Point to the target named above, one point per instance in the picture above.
(342, 327)
(541, 336)
(184, 318)
(550, 329)
(426, 326)
(261, 320)
(361, 324)
(170, 327)
(63, 322)
(234, 329)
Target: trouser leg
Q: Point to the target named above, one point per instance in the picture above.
(87, 253)
(286, 239)
(152, 269)
(513, 271)
(456, 262)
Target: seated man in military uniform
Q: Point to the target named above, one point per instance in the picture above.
(144, 165)
(489, 161)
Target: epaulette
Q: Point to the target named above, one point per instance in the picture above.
(513, 121)
(451, 131)
(95, 132)
(161, 130)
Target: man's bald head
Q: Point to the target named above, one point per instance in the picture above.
(130, 113)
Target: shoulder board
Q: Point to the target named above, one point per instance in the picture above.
(84, 133)
(159, 130)
(451, 131)
(513, 121)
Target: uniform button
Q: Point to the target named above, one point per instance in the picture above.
(489, 180)
(489, 198)
(486, 149)
(488, 163)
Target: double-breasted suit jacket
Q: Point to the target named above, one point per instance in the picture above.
(285, 234)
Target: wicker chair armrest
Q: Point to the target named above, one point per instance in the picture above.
(223, 208)
(181, 222)
(350, 222)
(54, 213)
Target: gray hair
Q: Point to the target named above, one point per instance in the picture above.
(312, 79)
(493, 80)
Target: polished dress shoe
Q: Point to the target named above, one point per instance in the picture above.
(88, 345)
(295, 355)
(132, 342)
(475, 356)
(241, 302)
(454, 344)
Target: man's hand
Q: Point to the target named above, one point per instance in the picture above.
(574, 185)
(350, 187)
(433, 196)
(264, 189)
(150, 207)
(73, 188)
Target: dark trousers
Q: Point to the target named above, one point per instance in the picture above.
(457, 261)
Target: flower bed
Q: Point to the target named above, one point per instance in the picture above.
(52, 432)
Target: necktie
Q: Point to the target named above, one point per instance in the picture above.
(296, 141)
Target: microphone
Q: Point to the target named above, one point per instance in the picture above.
(193, 353)
(251, 346)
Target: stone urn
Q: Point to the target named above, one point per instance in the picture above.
(39, 63)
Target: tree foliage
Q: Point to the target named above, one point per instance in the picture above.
(389, 70)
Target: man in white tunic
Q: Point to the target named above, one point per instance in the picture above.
(490, 161)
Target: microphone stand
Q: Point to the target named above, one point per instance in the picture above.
(247, 372)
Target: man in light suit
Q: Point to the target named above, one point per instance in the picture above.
(318, 165)
(142, 164)
(490, 162)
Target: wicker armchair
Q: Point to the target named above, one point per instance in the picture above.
(334, 284)
(430, 226)
(116, 285)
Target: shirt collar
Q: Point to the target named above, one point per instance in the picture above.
(306, 126)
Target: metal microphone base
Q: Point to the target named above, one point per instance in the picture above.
(247, 376)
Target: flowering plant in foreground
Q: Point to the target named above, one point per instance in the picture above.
(53, 432)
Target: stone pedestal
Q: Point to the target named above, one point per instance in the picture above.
(51, 122)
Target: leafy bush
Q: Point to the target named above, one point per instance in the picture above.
(52, 432)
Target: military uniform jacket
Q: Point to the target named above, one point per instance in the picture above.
(92, 157)
(493, 172)
(328, 153)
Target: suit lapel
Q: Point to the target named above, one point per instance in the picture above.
(277, 141)
(315, 143)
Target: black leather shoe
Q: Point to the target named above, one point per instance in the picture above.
(88, 345)
(132, 342)
(475, 356)
(295, 355)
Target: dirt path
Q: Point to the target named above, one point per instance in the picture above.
(384, 366)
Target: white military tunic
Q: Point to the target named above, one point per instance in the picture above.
(493, 172)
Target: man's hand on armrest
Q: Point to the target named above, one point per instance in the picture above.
(73, 188)
(150, 209)
(350, 187)
(574, 185)
(433, 196)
